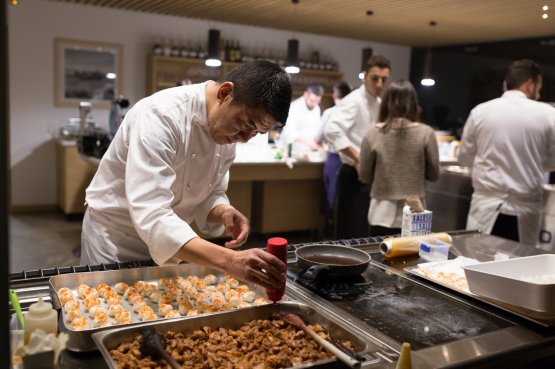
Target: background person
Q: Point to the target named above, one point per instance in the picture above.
(397, 156)
(333, 162)
(168, 166)
(510, 144)
(347, 126)
(304, 124)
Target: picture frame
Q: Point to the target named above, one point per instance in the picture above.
(87, 71)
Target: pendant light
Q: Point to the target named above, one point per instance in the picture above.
(427, 77)
(292, 56)
(292, 62)
(366, 54)
(213, 59)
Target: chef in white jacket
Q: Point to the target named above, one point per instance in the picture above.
(168, 166)
(304, 124)
(510, 144)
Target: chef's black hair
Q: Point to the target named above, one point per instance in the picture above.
(260, 83)
(521, 71)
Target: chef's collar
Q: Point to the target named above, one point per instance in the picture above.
(201, 114)
(514, 93)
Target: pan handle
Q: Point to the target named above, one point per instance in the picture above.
(313, 271)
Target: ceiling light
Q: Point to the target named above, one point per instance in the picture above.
(292, 56)
(213, 59)
(366, 54)
(545, 8)
(427, 79)
(545, 16)
(110, 75)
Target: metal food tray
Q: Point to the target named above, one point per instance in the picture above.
(502, 281)
(110, 339)
(81, 340)
(543, 319)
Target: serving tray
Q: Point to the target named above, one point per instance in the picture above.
(81, 340)
(108, 340)
(540, 318)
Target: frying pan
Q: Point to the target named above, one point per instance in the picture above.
(336, 261)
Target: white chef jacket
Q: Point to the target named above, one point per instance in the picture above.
(302, 122)
(161, 172)
(351, 120)
(510, 144)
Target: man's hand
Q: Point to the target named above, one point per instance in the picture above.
(257, 266)
(236, 226)
(252, 265)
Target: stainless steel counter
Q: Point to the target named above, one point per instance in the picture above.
(449, 198)
(388, 306)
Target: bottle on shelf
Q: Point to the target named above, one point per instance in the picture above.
(238, 52)
(175, 49)
(184, 51)
(228, 50)
(167, 49)
(157, 48)
(193, 52)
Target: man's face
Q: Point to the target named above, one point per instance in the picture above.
(375, 80)
(231, 123)
(311, 100)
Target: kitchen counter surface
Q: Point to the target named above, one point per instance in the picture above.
(386, 306)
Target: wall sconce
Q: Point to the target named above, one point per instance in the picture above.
(213, 59)
(366, 54)
(292, 56)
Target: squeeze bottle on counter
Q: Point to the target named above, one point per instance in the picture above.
(277, 246)
(42, 316)
(400, 246)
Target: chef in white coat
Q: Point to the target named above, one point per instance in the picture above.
(510, 144)
(168, 166)
(304, 124)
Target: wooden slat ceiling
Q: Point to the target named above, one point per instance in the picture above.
(404, 22)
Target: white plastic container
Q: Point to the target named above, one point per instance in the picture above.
(41, 315)
(434, 250)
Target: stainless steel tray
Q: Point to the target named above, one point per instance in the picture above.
(543, 319)
(81, 340)
(110, 339)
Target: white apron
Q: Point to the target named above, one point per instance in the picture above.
(484, 210)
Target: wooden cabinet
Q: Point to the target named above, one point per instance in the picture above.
(167, 71)
(74, 175)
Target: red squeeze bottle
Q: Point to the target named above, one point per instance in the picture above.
(277, 246)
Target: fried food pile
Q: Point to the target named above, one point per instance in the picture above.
(259, 344)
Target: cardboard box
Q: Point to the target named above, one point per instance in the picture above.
(416, 224)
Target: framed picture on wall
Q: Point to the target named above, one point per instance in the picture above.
(87, 71)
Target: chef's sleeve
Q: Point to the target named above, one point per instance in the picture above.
(216, 197)
(341, 121)
(550, 156)
(149, 177)
(468, 147)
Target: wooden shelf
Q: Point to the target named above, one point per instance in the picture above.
(166, 71)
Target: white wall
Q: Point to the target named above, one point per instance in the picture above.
(33, 26)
